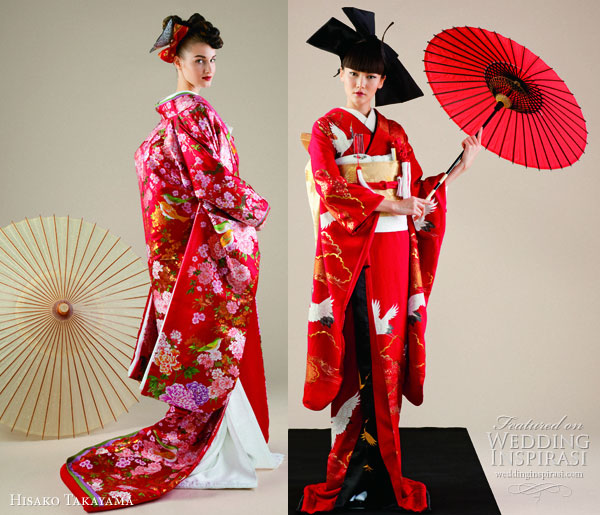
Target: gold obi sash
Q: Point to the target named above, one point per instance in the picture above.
(372, 172)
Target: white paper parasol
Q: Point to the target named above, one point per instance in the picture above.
(71, 298)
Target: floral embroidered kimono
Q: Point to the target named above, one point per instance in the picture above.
(199, 336)
(372, 278)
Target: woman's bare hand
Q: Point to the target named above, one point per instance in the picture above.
(414, 206)
(472, 146)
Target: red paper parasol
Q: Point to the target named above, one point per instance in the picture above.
(475, 73)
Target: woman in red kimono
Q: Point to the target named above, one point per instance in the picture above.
(377, 248)
(199, 336)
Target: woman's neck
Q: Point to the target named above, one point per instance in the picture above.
(184, 85)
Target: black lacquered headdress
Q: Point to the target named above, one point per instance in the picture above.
(338, 38)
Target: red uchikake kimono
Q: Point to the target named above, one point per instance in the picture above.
(366, 346)
(199, 333)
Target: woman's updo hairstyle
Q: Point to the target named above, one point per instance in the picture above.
(200, 30)
(365, 56)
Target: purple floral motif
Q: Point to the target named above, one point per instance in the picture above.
(199, 392)
(178, 395)
(190, 397)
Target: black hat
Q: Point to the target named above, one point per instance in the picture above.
(337, 38)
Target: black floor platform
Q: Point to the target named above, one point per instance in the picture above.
(442, 458)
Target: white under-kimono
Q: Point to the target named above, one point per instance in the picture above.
(238, 449)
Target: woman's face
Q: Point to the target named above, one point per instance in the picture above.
(360, 88)
(197, 65)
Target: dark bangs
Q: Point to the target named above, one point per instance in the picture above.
(365, 56)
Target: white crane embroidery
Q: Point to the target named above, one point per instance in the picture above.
(340, 141)
(420, 223)
(339, 423)
(321, 312)
(414, 303)
(326, 218)
(382, 324)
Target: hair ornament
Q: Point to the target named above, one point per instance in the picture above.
(170, 37)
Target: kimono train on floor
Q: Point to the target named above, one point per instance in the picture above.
(199, 344)
(372, 278)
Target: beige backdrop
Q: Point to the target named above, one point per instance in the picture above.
(77, 98)
(513, 317)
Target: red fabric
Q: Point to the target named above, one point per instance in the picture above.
(252, 373)
(343, 246)
(168, 54)
(199, 332)
(146, 338)
(383, 185)
(143, 466)
(199, 220)
(464, 63)
(401, 270)
(388, 257)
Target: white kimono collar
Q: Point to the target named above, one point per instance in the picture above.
(369, 121)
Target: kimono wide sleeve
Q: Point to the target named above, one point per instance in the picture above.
(429, 229)
(426, 235)
(212, 165)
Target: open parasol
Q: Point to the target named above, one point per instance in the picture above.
(482, 78)
(71, 297)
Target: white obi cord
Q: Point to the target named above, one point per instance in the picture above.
(237, 450)
(391, 223)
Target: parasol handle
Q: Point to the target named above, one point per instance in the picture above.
(445, 176)
(499, 105)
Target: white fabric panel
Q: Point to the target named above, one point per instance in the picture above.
(391, 223)
(236, 451)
